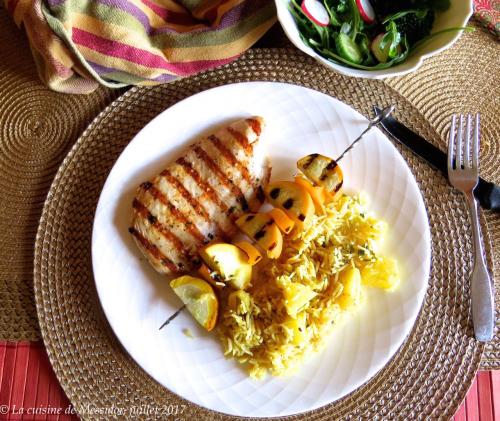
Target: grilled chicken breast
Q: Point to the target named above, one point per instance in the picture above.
(197, 198)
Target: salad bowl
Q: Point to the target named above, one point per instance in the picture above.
(456, 16)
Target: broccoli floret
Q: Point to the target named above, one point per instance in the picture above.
(414, 26)
(385, 8)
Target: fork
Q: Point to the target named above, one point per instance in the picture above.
(463, 175)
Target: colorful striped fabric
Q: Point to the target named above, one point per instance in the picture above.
(80, 43)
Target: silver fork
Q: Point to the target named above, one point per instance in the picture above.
(463, 175)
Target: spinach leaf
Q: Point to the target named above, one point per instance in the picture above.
(419, 13)
(334, 17)
(342, 6)
(392, 37)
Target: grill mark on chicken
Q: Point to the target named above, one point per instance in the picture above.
(249, 183)
(153, 220)
(153, 250)
(223, 178)
(219, 211)
(226, 153)
(186, 195)
(255, 125)
(242, 140)
(176, 213)
(212, 194)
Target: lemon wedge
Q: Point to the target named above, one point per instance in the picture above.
(199, 297)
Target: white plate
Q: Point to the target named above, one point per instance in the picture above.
(137, 300)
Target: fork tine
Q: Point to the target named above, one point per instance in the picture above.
(458, 151)
(451, 143)
(467, 141)
(475, 146)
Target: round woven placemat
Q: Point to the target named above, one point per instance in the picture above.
(428, 377)
(466, 79)
(37, 128)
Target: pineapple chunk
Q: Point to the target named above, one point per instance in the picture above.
(264, 231)
(296, 297)
(350, 278)
(293, 199)
(322, 171)
(281, 219)
(383, 273)
(298, 328)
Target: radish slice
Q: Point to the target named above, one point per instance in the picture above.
(366, 11)
(315, 11)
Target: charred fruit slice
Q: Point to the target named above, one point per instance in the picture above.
(261, 228)
(322, 171)
(199, 297)
(252, 253)
(284, 222)
(318, 193)
(212, 277)
(228, 261)
(293, 199)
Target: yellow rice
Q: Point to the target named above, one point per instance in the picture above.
(255, 329)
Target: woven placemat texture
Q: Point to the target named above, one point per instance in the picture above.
(428, 377)
(466, 78)
(37, 129)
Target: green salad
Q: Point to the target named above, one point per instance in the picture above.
(367, 35)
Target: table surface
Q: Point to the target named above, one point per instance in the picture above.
(29, 389)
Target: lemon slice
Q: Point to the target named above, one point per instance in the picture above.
(199, 298)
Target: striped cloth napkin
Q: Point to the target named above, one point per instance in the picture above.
(78, 44)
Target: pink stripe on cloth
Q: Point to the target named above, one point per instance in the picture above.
(140, 56)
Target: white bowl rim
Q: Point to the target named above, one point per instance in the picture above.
(368, 74)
